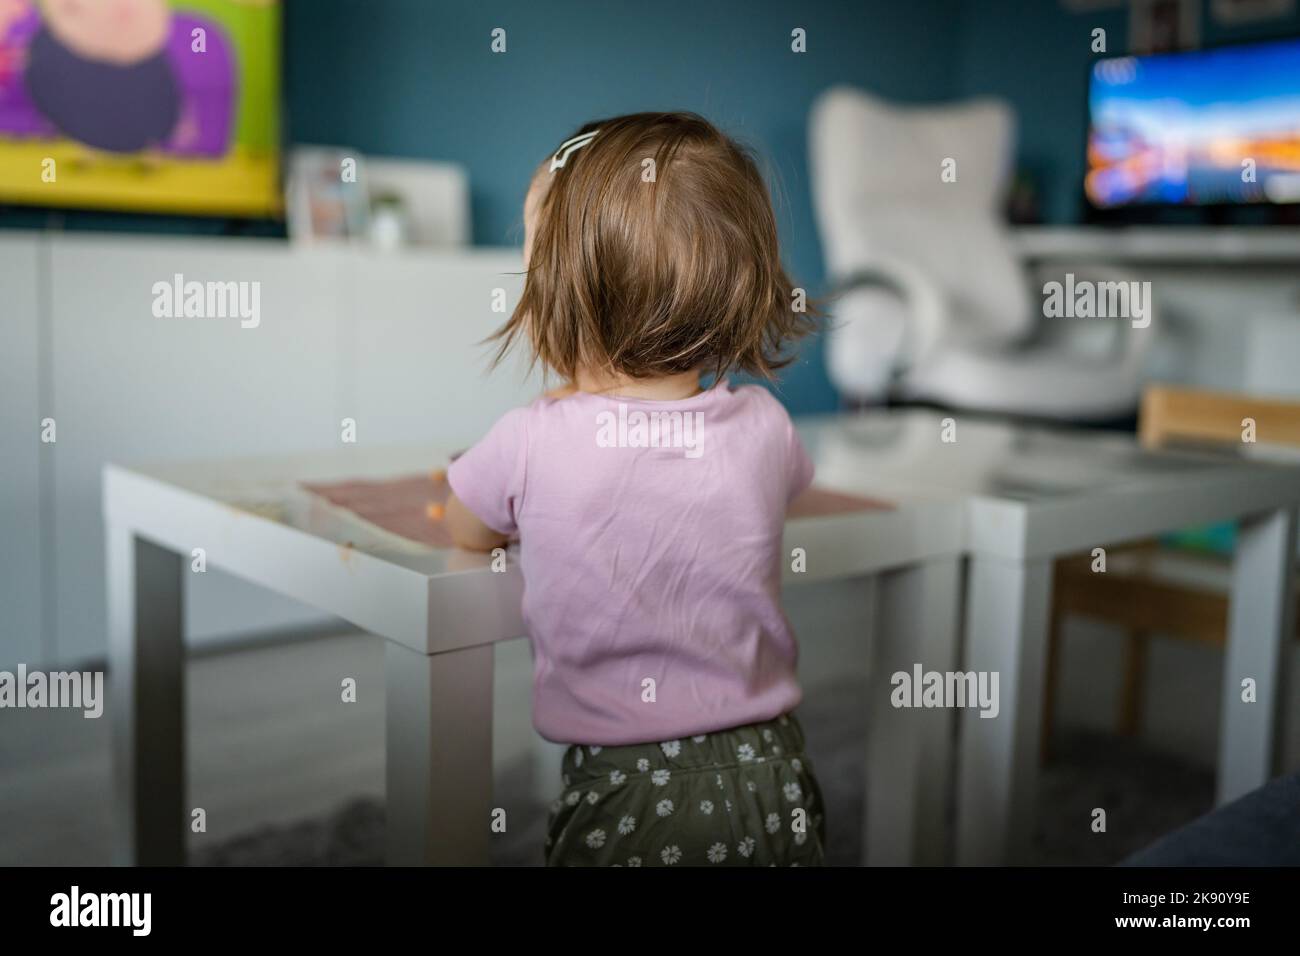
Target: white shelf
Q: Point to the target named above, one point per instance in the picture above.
(1226, 245)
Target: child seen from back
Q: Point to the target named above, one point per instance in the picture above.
(648, 508)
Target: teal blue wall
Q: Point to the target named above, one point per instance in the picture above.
(1036, 54)
(417, 78)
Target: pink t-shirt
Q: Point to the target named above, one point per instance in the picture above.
(650, 544)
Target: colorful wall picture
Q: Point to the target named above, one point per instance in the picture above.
(143, 105)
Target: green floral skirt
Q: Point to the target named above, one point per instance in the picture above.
(740, 797)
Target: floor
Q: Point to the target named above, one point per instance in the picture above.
(274, 747)
(270, 742)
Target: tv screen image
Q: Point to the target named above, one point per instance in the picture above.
(1207, 127)
(143, 105)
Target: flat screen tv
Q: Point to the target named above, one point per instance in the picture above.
(141, 105)
(1217, 127)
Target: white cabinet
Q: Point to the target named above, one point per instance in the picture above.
(21, 554)
(132, 386)
(387, 341)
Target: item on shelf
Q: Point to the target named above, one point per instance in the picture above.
(388, 222)
(1162, 26)
(327, 198)
(1024, 201)
(432, 198)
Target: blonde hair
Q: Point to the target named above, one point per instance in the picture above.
(654, 269)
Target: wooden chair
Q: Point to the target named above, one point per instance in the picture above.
(1150, 588)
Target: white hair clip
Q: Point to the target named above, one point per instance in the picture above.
(568, 147)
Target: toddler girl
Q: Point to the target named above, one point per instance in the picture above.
(649, 508)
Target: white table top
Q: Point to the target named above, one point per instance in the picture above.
(1002, 490)
(1034, 491)
(254, 520)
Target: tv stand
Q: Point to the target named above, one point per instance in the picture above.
(1243, 246)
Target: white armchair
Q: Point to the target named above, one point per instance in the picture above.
(932, 303)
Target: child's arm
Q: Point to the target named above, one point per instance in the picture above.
(487, 485)
(467, 531)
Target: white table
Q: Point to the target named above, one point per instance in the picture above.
(1003, 502)
(440, 611)
(1033, 495)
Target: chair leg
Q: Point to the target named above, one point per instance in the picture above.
(1049, 688)
(1131, 692)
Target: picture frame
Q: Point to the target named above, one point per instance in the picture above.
(1250, 11)
(326, 196)
(1164, 26)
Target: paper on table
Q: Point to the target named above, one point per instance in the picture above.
(411, 506)
(820, 502)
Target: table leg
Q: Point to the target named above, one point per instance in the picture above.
(1006, 633)
(909, 751)
(439, 751)
(146, 663)
(1260, 619)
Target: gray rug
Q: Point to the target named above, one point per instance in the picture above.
(1145, 795)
